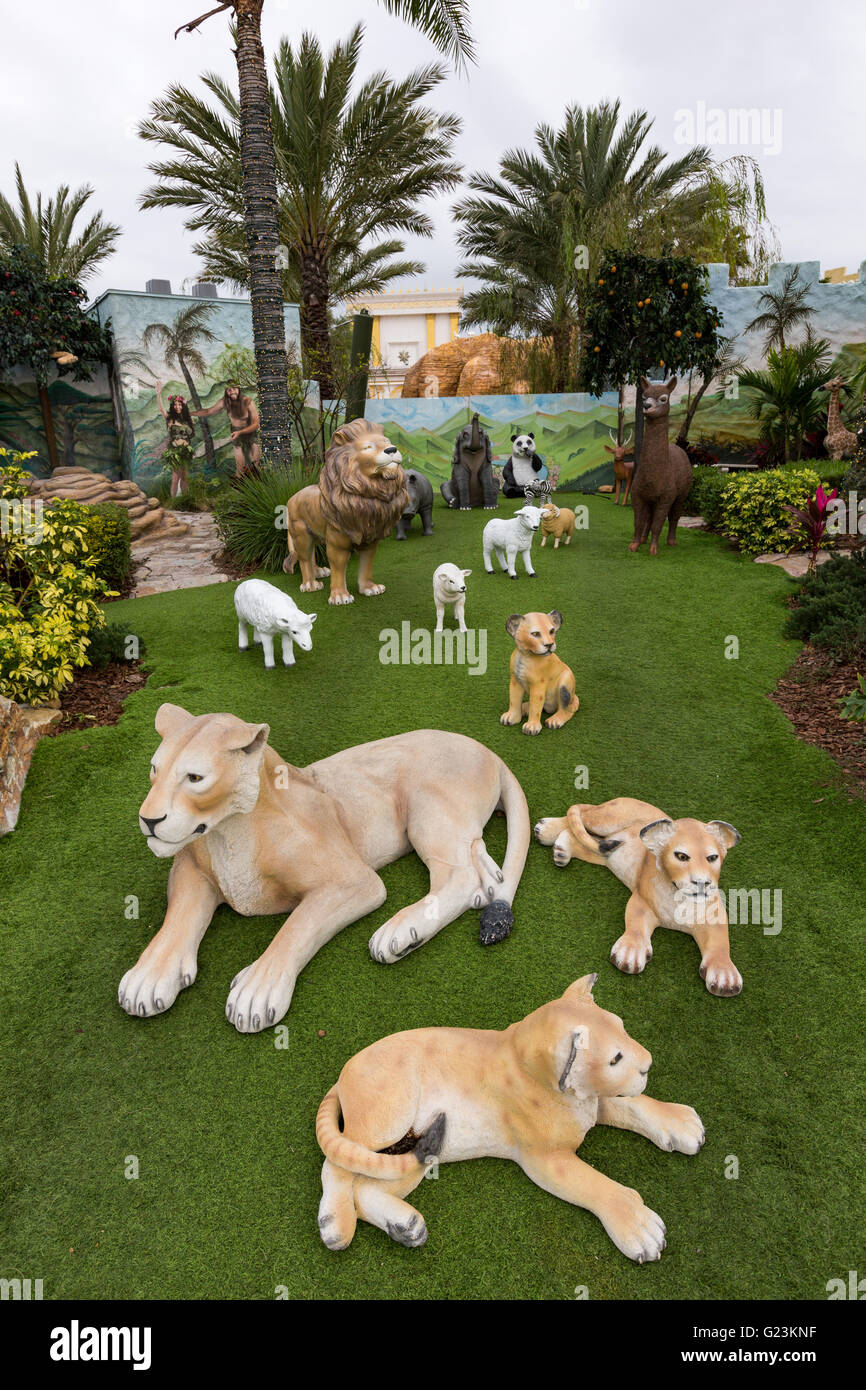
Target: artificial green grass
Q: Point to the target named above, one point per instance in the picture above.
(222, 1125)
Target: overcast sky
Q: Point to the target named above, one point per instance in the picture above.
(76, 78)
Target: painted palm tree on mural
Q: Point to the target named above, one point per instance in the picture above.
(353, 165)
(49, 230)
(782, 310)
(179, 344)
(445, 22)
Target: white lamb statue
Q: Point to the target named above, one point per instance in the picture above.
(449, 586)
(510, 538)
(271, 613)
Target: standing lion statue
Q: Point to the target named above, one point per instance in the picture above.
(360, 496)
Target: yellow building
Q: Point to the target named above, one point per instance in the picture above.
(406, 324)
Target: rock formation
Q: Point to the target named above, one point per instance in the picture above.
(146, 516)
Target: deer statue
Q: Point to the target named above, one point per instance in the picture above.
(664, 473)
(623, 468)
(839, 442)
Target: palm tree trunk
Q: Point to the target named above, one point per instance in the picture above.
(261, 222)
(48, 426)
(209, 452)
(561, 337)
(314, 321)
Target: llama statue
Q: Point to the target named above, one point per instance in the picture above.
(839, 442)
(664, 473)
(623, 468)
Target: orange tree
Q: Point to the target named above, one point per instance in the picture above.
(648, 315)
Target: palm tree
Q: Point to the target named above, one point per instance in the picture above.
(786, 397)
(48, 229)
(445, 23)
(592, 183)
(349, 169)
(178, 342)
(782, 310)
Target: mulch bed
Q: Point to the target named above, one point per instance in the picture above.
(809, 696)
(97, 696)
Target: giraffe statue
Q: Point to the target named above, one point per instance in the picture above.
(839, 442)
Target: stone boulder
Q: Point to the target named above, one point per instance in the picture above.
(146, 516)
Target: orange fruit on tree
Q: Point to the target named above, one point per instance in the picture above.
(679, 333)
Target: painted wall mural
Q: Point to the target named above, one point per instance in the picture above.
(190, 346)
(570, 430)
(84, 422)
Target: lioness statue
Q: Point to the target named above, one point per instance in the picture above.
(530, 1093)
(672, 869)
(360, 496)
(247, 829)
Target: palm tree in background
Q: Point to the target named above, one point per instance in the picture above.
(350, 169)
(786, 397)
(445, 22)
(782, 310)
(178, 342)
(534, 233)
(48, 229)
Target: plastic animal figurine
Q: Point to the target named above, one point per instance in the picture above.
(557, 522)
(360, 496)
(525, 474)
(623, 468)
(509, 538)
(664, 474)
(530, 1093)
(537, 674)
(246, 828)
(420, 491)
(271, 613)
(449, 586)
(471, 483)
(839, 442)
(672, 870)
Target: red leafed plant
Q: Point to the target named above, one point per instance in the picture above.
(810, 523)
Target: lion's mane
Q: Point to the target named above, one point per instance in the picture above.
(364, 508)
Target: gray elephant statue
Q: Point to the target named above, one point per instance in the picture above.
(420, 491)
(472, 483)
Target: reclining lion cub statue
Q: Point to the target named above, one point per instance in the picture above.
(530, 1093)
(247, 829)
(672, 869)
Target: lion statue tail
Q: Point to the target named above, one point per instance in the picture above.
(497, 919)
(357, 1158)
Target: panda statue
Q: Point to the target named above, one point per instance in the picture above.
(525, 475)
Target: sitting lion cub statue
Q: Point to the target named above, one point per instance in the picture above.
(530, 1093)
(245, 828)
(672, 869)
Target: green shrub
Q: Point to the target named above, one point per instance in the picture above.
(854, 705)
(49, 590)
(250, 517)
(705, 497)
(753, 507)
(200, 495)
(109, 540)
(832, 608)
(109, 644)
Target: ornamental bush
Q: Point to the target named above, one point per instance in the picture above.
(49, 589)
(109, 540)
(753, 507)
(707, 492)
(831, 609)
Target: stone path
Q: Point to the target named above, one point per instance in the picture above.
(796, 565)
(165, 563)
